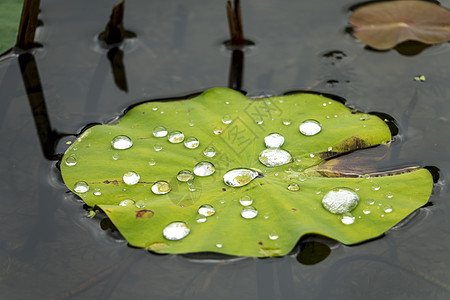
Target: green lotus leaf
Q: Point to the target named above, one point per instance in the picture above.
(9, 23)
(244, 207)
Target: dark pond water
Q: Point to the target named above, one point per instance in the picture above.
(49, 249)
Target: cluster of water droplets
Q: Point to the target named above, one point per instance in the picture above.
(274, 156)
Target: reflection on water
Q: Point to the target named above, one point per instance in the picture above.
(50, 248)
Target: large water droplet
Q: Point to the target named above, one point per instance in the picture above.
(249, 212)
(340, 200)
(176, 137)
(209, 152)
(191, 142)
(310, 127)
(204, 168)
(185, 175)
(160, 131)
(127, 202)
(206, 210)
(347, 218)
(81, 187)
(293, 187)
(131, 178)
(71, 160)
(274, 157)
(246, 201)
(161, 187)
(121, 142)
(176, 231)
(239, 177)
(274, 140)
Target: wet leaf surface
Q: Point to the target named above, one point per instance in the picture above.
(268, 207)
(384, 25)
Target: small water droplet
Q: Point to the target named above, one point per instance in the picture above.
(176, 137)
(71, 160)
(275, 157)
(157, 147)
(286, 122)
(217, 130)
(154, 108)
(340, 200)
(347, 218)
(115, 156)
(227, 119)
(274, 140)
(206, 210)
(97, 192)
(330, 149)
(204, 168)
(176, 231)
(318, 191)
(239, 177)
(219, 245)
(366, 211)
(200, 218)
(249, 212)
(191, 143)
(81, 187)
(370, 201)
(192, 188)
(259, 121)
(191, 123)
(131, 178)
(387, 208)
(127, 202)
(293, 187)
(140, 204)
(366, 176)
(121, 142)
(273, 235)
(389, 195)
(160, 131)
(152, 162)
(209, 152)
(246, 201)
(185, 176)
(161, 187)
(375, 186)
(310, 127)
(311, 155)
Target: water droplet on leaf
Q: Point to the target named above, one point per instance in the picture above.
(206, 210)
(246, 201)
(115, 156)
(310, 127)
(127, 202)
(185, 175)
(293, 187)
(239, 177)
(160, 131)
(275, 157)
(274, 140)
(204, 168)
(249, 212)
(200, 218)
(191, 143)
(340, 200)
(71, 160)
(209, 152)
(131, 178)
(81, 187)
(161, 187)
(347, 218)
(176, 231)
(152, 162)
(176, 137)
(157, 147)
(273, 235)
(121, 142)
(227, 119)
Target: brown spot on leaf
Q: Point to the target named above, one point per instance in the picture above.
(144, 213)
